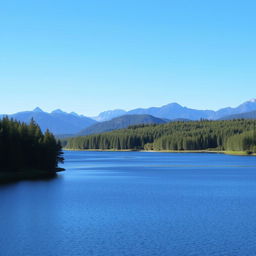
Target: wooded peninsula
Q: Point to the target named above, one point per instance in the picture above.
(232, 135)
(27, 153)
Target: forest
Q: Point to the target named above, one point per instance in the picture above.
(26, 152)
(228, 135)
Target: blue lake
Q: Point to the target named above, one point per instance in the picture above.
(134, 203)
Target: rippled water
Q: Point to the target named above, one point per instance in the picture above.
(133, 203)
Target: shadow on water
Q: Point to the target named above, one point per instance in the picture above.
(6, 179)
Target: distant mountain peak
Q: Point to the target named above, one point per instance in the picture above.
(174, 104)
(110, 114)
(113, 111)
(37, 109)
(58, 111)
(74, 113)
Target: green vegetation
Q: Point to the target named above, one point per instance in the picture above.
(234, 135)
(25, 152)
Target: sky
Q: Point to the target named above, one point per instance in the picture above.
(92, 56)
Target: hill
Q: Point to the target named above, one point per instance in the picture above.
(120, 123)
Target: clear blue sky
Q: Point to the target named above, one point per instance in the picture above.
(90, 56)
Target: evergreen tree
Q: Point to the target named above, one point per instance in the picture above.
(24, 147)
(197, 135)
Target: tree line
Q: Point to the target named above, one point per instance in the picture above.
(24, 147)
(237, 135)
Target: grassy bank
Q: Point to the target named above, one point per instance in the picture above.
(238, 153)
(103, 150)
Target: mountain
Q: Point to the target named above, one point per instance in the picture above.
(247, 115)
(58, 121)
(245, 107)
(120, 123)
(171, 111)
(175, 111)
(108, 115)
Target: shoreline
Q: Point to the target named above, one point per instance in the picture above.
(234, 153)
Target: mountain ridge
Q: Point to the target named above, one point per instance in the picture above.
(246, 115)
(175, 111)
(120, 123)
(58, 121)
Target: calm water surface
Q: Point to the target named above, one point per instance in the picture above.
(132, 203)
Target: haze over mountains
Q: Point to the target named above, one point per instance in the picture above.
(60, 122)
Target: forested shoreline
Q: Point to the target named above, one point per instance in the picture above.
(26, 152)
(231, 135)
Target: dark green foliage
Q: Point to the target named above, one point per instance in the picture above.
(245, 141)
(196, 135)
(24, 147)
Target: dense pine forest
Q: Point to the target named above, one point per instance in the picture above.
(233, 135)
(26, 151)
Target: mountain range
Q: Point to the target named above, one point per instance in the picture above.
(174, 110)
(58, 121)
(63, 123)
